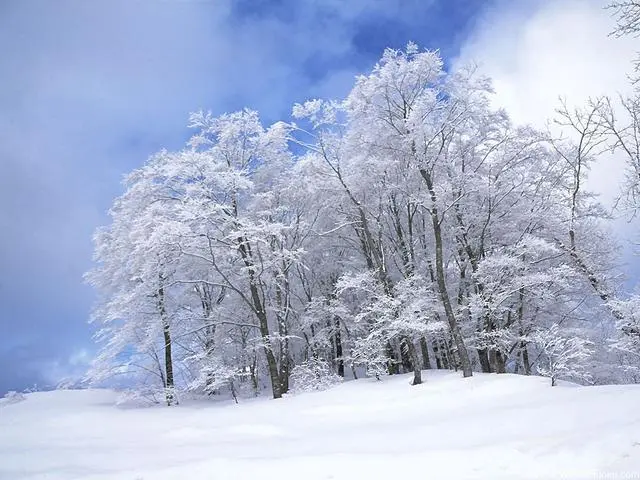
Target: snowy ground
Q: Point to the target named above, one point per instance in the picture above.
(489, 426)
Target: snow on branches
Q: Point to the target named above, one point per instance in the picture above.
(407, 226)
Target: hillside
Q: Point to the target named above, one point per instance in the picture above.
(487, 426)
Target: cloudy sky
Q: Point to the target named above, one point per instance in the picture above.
(88, 89)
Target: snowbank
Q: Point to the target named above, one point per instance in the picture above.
(488, 426)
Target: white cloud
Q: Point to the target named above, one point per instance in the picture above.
(537, 52)
(559, 48)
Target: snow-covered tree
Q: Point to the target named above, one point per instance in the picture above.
(626, 340)
(407, 226)
(562, 356)
(313, 374)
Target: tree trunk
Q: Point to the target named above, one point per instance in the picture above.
(272, 365)
(463, 355)
(452, 355)
(426, 363)
(168, 362)
(446, 357)
(254, 377)
(271, 359)
(415, 360)
(405, 356)
(266, 344)
(263, 321)
(525, 359)
(483, 356)
(392, 365)
(285, 360)
(501, 362)
(285, 370)
(523, 346)
(438, 354)
(282, 301)
(168, 359)
(494, 360)
(339, 354)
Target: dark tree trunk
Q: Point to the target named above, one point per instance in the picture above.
(492, 360)
(452, 355)
(444, 352)
(501, 363)
(168, 359)
(524, 352)
(525, 359)
(426, 363)
(392, 365)
(497, 361)
(285, 370)
(263, 322)
(207, 301)
(268, 350)
(405, 356)
(282, 301)
(168, 362)
(415, 360)
(461, 348)
(314, 353)
(483, 356)
(254, 374)
(339, 354)
(285, 363)
(438, 354)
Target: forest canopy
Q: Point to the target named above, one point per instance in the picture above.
(408, 226)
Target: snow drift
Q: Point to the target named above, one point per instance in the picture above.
(487, 426)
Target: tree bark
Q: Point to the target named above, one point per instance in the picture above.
(405, 357)
(392, 365)
(415, 360)
(452, 355)
(263, 321)
(436, 352)
(497, 360)
(525, 359)
(168, 358)
(426, 363)
(254, 377)
(483, 356)
(339, 353)
(463, 354)
(523, 345)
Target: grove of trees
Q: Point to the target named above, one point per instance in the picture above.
(409, 226)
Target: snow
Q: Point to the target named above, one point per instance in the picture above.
(484, 427)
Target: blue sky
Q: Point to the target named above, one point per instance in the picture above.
(89, 89)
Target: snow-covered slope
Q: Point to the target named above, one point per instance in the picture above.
(488, 426)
